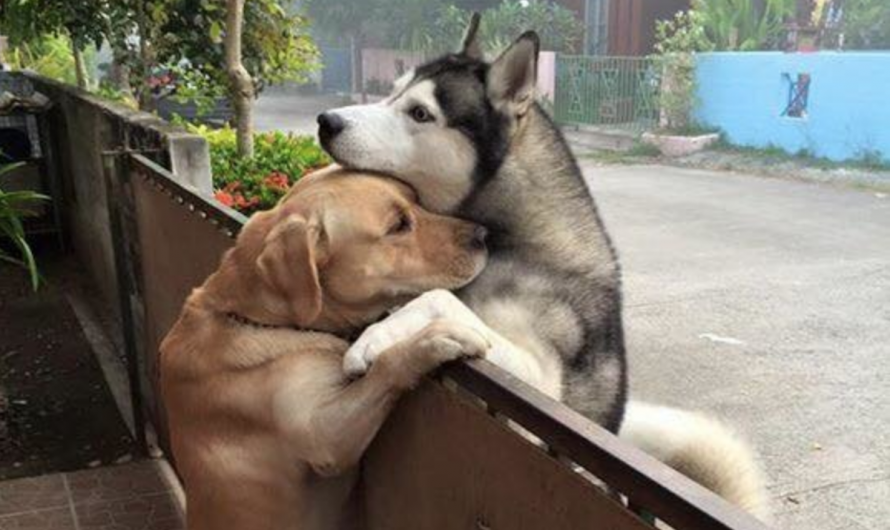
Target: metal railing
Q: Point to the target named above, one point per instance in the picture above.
(610, 92)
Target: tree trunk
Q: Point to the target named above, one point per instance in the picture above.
(119, 73)
(80, 69)
(241, 87)
(143, 92)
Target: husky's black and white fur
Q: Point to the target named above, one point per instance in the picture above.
(470, 137)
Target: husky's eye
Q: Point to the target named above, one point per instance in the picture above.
(420, 114)
(402, 226)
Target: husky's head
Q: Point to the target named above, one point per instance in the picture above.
(447, 125)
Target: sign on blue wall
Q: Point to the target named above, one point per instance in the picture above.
(829, 104)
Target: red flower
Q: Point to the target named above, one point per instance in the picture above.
(277, 181)
(224, 197)
(242, 203)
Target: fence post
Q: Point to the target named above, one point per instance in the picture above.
(116, 173)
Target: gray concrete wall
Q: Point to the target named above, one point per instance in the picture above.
(85, 131)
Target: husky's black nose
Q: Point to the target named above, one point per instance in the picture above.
(329, 126)
(477, 239)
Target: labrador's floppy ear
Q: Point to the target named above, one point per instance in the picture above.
(513, 76)
(471, 47)
(288, 264)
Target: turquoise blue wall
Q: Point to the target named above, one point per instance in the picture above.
(744, 95)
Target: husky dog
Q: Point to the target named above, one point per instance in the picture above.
(469, 136)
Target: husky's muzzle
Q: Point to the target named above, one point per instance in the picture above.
(329, 126)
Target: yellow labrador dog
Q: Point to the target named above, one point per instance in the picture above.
(265, 427)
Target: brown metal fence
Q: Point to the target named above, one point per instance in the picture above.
(450, 456)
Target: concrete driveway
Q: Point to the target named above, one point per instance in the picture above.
(767, 302)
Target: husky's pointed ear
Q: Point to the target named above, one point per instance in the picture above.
(287, 264)
(513, 76)
(471, 46)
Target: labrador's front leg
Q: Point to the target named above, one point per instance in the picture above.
(344, 422)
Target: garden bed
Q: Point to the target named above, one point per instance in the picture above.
(251, 184)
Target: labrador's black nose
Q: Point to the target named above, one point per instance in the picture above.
(329, 126)
(477, 240)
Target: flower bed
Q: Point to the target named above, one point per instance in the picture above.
(252, 184)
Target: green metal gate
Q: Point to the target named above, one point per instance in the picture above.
(613, 92)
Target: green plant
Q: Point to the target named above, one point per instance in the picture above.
(111, 93)
(49, 56)
(866, 24)
(559, 28)
(187, 40)
(83, 23)
(643, 150)
(867, 159)
(256, 183)
(744, 25)
(872, 159)
(148, 35)
(677, 41)
(14, 206)
(436, 26)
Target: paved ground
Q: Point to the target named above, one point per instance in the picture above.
(287, 112)
(768, 302)
(140, 495)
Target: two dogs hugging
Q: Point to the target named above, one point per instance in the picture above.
(457, 200)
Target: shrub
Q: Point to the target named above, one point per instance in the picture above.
(257, 183)
(744, 25)
(49, 56)
(866, 24)
(677, 41)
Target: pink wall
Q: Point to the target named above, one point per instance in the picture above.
(388, 65)
(547, 75)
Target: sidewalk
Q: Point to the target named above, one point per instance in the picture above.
(135, 496)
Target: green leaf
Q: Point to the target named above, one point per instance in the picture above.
(216, 30)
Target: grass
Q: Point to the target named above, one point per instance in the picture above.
(640, 152)
(752, 158)
(692, 129)
(867, 160)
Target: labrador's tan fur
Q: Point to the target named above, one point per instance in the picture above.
(265, 428)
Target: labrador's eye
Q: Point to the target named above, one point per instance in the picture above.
(420, 114)
(402, 226)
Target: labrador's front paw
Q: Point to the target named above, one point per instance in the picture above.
(365, 350)
(438, 343)
(404, 324)
(447, 340)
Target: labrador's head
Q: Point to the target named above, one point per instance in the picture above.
(343, 247)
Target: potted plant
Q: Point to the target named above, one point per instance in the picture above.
(678, 40)
(14, 206)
